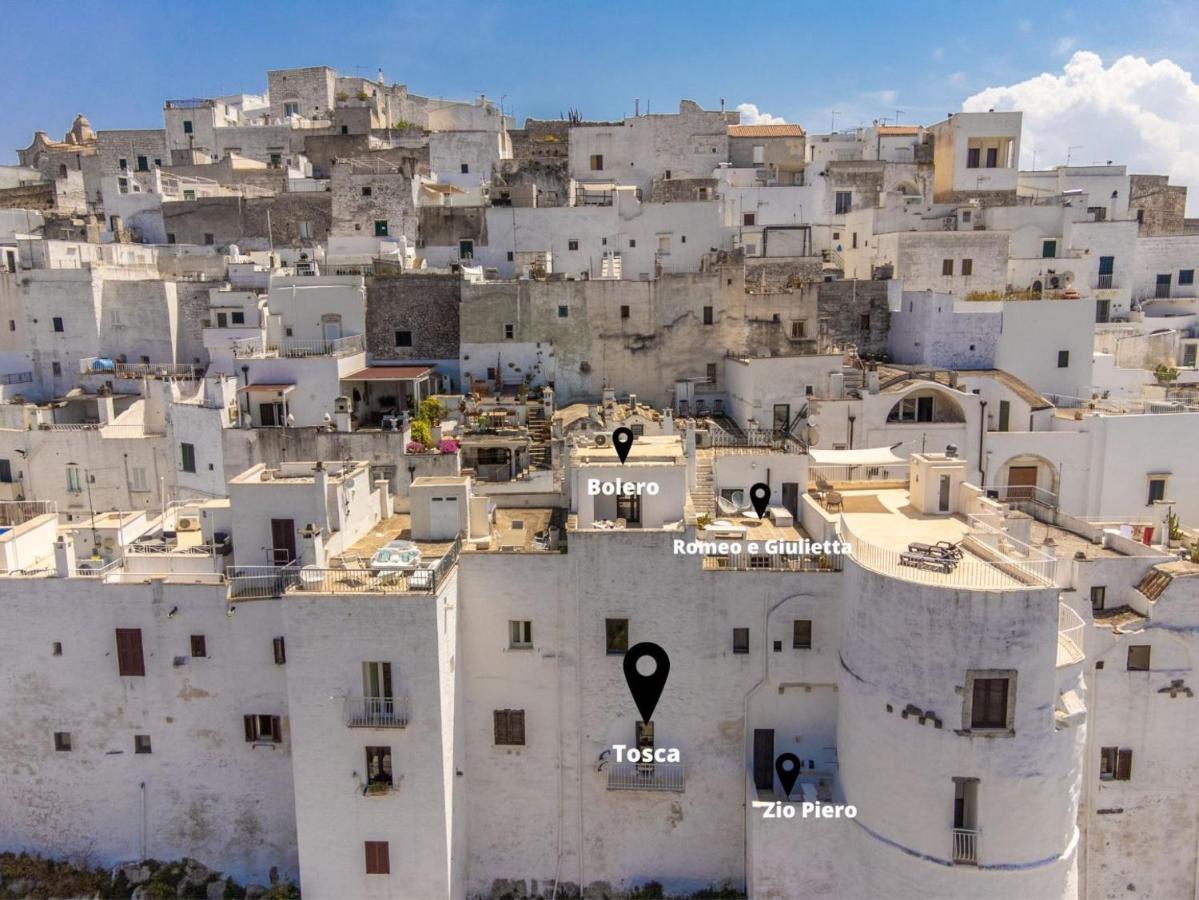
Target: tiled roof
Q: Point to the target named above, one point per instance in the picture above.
(753, 131)
(899, 130)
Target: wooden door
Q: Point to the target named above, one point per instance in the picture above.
(764, 759)
(283, 541)
(791, 498)
(1021, 482)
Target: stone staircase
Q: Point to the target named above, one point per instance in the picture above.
(1154, 583)
(540, 456)
(703, 497)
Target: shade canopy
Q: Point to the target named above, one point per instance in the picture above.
(873, 456)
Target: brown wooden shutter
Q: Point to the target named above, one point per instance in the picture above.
(501, 726)
(249, 723)
(130, 660)
(378, 858)
(280, 651)
(516, 726)
(1124, 765)
(276, 730)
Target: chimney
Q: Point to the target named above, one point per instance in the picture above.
(608, 396)
(386, 505)
(341, 414)
(312, 546)
(64, 556)
(320, 478)
(105, 405)
(668, 421)
(632, 403)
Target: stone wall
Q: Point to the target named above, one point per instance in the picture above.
(367, 190)
(129, 144)
(233, 220)
(854, 313)
(425, 305)
(682, 190)
(550, 177)
(1160, 207)
(29, 196)
(445, 226)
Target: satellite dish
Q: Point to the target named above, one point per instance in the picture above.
(810, 435)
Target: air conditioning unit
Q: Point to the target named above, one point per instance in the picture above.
(187, 523)
(601, 440)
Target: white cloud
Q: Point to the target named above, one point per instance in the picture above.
(1142, 114)
(887, 96)
(1063, 45)
(750, 115)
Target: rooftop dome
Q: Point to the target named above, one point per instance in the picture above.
(81, 131)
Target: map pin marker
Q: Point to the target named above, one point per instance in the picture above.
(759, 496)
(646, 689)
(787, 767)
(622, 440)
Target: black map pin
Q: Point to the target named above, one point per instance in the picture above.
(759, 496)
(787, 767)
(622, 440)
(646, 689)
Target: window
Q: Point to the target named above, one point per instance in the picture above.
(624, 311)
(572, 244)
(209, 238)
(563, 312)
(1115, 764)
(597, 162)
(1157, 490)
(280, 649)
(616, 636)
(799, 329)
(237, 317)
(305, 229)
(199, 645)
(366, 190)
(801, 634)
(1063, 359)
(712, 372)
(123, 164)
(629, 509)
(967, 267)
(707, 315)
(1098, 597)
(509, 727)
(1138, 658)
(5, 471)
(520, 633)
(56, 648)
(632, 242)
(74, 479)
(378, 766)
(403, 338)
(130, 662)
(141, 743)
(143, 164)
(1048, 249)
(276, 160)
(187, 126)
(62, 741)
(509, 331)
(759, 154)
(740, 640)
(466, 249)
(380, 228)
(56, 369)
(843, 201)
(465, 169)
(170, 237)
(864, 321)
(972, 156)
(992, 157)
(1186, 276)
(263, 729)
(511, 256)
(989, 707)
(378, 857)
(57, 323)
(947, 267)
(187, 457)
(749, 219)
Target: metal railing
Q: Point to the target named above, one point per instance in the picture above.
(757, 439)
(376, 712)
(836, 474)
(86, 570)
(629, 776)
(1104, 282)
(773, 562)
(88, 366)
(1017, 493)
(1120, 406)
(257, 347)
(261, 582)
(1069, 636)
(1027, 564)
(16, 378)
(363, 581)
(965, 846)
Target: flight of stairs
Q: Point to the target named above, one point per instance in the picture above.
(703, 498)
(1154, 582)
(540, 456)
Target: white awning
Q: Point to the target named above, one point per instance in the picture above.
(874, 456)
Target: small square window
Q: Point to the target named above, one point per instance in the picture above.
(864, 321)
(989, 698)
(62, 741)
(378, 858)
(572, 244)
(199, 645)
(141, 743)
(366, 190)
(209, 238)
(58, 325)
(1063, 359)
(1186, 276)
(511, 256)
(509, 727)
(616, 636)
(740, 640)
(947, 267)
(187, 126)
(632, 242)
(967, 267)
(1157, 490)
(1115, 764)
(509, 331)
(749, 219)
(56, 648)
(237, 317)
(711, 372)
(403, 338)
(520, 633)
(465, 169)
(56, 369)
(624, 311)
(1138, 658)
(563, 312)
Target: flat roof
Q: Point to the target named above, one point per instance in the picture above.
(389, 373)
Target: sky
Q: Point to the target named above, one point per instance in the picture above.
(1097, 81)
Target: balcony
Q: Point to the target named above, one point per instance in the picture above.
(1070, 627)
(965, 846)
(259, 348)
(659, 777)
(376, 712)
(1104, 282)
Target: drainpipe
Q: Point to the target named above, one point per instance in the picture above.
(982, 431)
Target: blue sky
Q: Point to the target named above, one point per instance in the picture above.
(117, 63)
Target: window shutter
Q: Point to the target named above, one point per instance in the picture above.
(249, 723)
(516, 726)
(501, 726)
(280, 651)
(1124, 765)
(276, 730)
(129, 652)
